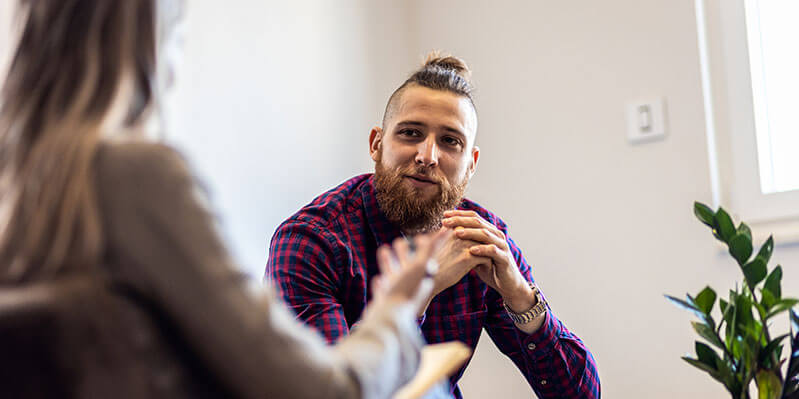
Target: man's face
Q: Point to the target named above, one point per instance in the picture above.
(424, 156)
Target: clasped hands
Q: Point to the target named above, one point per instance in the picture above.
(479, 245)
(466, 241)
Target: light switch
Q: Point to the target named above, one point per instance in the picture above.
(646, 120)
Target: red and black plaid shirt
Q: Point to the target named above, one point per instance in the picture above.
(321, 260)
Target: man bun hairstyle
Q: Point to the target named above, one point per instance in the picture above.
(444, 72)
(439, 72)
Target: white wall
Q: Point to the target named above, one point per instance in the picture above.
(607, 225)
(276, 99)
(275, 102)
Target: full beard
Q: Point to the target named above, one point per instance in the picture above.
(406, 207)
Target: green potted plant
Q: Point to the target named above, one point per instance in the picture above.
(738, 348)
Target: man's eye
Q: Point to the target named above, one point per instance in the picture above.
(452, 141)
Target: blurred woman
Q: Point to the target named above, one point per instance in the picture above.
(82, 191)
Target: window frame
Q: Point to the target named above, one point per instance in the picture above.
(729, 83)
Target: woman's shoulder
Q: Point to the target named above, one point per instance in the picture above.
(144, 154)
(138, 159)
(138, 167)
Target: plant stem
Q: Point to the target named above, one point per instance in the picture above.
(724, 345)
(774, 359)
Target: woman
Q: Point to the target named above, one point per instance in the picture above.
(82, 192)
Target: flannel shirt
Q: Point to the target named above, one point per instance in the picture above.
(321, 260)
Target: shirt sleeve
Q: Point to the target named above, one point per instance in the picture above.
(167, 248)
(555, 362)
(301, 267)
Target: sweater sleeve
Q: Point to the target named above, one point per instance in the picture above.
(164, 238)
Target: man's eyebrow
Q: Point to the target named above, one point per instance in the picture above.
(411, 123)
(455, 131)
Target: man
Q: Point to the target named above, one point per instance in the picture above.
(322, 258)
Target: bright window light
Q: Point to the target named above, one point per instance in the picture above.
(772, 31)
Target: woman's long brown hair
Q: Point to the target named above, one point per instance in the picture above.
(75, 60)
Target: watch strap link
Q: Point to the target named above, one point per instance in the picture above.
(525, 317)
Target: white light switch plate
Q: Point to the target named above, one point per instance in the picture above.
(646, 120)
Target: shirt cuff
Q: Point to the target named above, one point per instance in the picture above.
(542, 341)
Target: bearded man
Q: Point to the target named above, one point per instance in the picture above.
(322, 259)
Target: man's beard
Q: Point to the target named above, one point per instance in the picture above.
(405, 206)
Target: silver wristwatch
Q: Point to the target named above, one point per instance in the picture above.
(525, 317)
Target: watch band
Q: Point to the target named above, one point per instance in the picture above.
(525, 317)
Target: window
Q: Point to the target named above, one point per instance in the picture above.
(774, 67)
(754, 80)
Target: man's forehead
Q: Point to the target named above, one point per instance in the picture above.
(423, 105)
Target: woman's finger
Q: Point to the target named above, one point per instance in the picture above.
(377, 285)
(402, 251)
(385, 260)
(423, 293)
(422, 245)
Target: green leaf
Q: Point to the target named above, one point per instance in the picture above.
(744, 322)
(727, 311)
(704, 213)
(769, 385)
(696, 363)
(708, 334)
(736, 342)
(773, 281)
(707, 355)
(708, 360)
(741, 248)
(732, 321)
(723, 224)
(744, 229)
(690, 306)
(781, 306)
(790, 390)
(725, 375)
(749, 347)
(760, 310)
(794, 322)
(766, 249)
(767, 299)
(705, 300)
(771, 348)
(705, 317)
(755, 272)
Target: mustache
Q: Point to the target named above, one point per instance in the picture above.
(427, 172)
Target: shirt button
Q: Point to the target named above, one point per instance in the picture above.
(531, 346)
(543, 382)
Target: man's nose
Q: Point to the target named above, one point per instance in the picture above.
(427, 152)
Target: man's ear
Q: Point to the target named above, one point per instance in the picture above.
(375, 141)
(473, 163)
